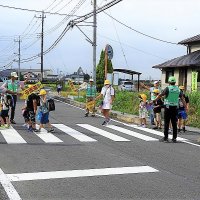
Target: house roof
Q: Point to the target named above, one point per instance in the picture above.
(6, 72)
(190, 40)
(192, 59)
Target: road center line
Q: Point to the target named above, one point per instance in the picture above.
(80, 173)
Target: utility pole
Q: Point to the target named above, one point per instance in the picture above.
(19, 56)
(94, 40)
(42, 43)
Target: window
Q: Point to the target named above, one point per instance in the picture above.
(169, 72)
(198, 77)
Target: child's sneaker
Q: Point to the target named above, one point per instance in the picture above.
(7, 125)
(30, 129)
(2, 126)
(50, 130)
(104, 123)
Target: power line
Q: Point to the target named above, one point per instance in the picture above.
(71, 24)
(120, 43)
(38, 11)
(139, 31)
(50, 5)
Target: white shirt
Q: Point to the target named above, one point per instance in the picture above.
(107, 93)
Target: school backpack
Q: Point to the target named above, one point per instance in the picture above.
(51, 105)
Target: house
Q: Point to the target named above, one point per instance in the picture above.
(33, 78)
(186, 68)
(5, 74)
(77, 77)
(35, 73)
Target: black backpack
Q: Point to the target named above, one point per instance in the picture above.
(51, 105)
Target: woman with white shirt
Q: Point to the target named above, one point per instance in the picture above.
(107, 92)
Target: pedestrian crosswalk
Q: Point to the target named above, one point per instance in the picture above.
(83, 132)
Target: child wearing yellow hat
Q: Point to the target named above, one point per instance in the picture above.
(143, 109)
(44, 111)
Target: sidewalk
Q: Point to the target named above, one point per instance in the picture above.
(127, 118)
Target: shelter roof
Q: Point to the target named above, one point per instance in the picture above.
(127, 71)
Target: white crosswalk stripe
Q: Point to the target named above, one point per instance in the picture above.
(132, 133)
(74, 133)
(47, 137)
(155, 132)
(12, 136)
(104, 133)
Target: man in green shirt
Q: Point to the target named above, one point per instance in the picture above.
(12, 85)
(90, 97)
(171, 95)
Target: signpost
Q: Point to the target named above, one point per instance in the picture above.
(194, 81)
(108, 55)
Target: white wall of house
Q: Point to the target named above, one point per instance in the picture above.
(189, 79)
(195, 48)
(163, 84)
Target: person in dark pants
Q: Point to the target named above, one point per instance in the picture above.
(12, 85)
(171, 95)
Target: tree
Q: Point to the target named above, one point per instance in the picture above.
(100, 72)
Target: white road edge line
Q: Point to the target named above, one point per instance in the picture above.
(120, 122)
(8, 187)
(80, 173)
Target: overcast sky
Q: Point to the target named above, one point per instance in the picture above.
(169, 20)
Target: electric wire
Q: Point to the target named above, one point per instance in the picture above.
(70, 25)
(139, 31)
(37, 11)
(118, 38)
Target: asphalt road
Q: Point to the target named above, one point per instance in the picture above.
(93, 162)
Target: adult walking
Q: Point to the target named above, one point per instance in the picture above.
(12, 85)
(90, 96)
(59, 87)
(107, 93)
(171, 95)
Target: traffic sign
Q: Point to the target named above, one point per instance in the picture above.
(109, 51)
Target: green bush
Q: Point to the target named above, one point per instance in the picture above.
(194, 109)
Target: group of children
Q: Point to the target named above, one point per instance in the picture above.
(30, 111)
(145, 108)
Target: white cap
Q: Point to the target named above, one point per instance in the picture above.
(14, 74)
(91, 80)
(155, 82)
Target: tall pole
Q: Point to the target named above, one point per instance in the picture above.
(42, 45)
(19, 56)
(94, 41)
(106, 62)
(19, 61)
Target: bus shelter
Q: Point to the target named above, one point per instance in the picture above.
(130, 72)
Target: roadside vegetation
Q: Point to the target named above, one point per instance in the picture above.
(127, 102)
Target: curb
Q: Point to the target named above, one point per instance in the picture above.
(114, 114)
